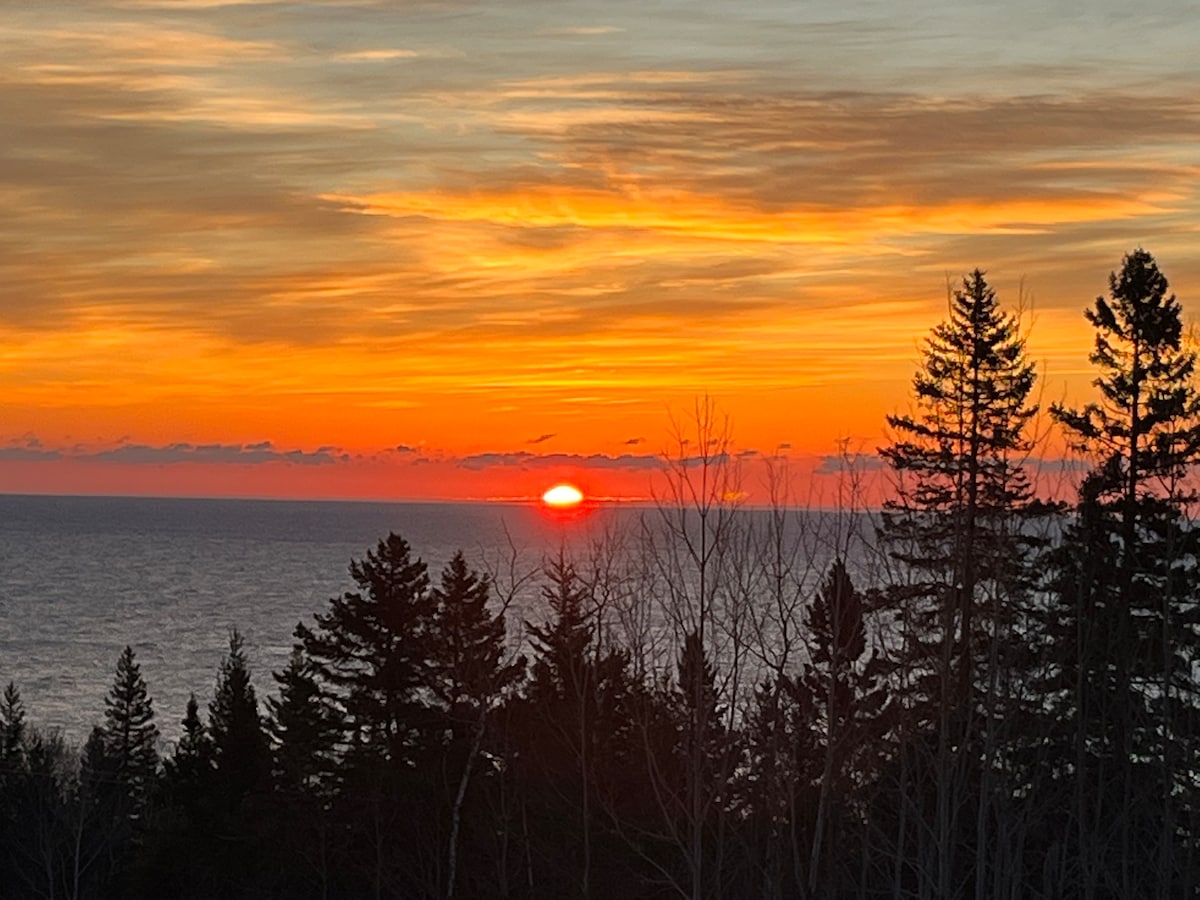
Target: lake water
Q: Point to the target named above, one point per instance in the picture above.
(81, 577)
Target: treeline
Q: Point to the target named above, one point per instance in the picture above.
(1002, 705)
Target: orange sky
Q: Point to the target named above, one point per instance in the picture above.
(462, 250)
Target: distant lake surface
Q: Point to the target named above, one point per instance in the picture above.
(81, 577)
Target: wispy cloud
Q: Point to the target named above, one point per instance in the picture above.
(320, 217)
(579, 31)
(527, 460)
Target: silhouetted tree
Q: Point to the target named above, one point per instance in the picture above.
(12, 773)
(305, 726)
(468, 677)
(128, 739)
(372, 647)
(188, 771)
(843, 685)
(955, 529)
(371, 654)
(1127, 629)
(572, 724)
(241, 757)
(12, 725)
(118, 774)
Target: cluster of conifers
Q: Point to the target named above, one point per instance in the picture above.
(1006, 708)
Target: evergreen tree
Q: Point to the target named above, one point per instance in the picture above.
(12, 774)
(12, 727)
(128, 738)
(572, 728)
(1126, 625)
(956, 530)
(241, 755)
(843, 685)
(190, 768)
(467, 644)
(305, 727)
(468, 677)
(562, 644)
(117, 777)
(372, 648)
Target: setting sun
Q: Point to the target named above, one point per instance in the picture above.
(563, 495)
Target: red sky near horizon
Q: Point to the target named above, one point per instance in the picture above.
(457, 250)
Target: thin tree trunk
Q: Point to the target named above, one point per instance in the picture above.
(456, 812)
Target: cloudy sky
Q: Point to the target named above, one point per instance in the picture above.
(457, 249)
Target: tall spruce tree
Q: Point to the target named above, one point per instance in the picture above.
(129, 735)
(372, 649)
(954, 531)
(241, 756)
(305, 727)
(467, 646)
(570, 730)
(189, 770)
(12, 726)
(1127, 626)
(842, 682)
(468, 678)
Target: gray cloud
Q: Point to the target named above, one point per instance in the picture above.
(540, 439)
(237, 454)
(526, 460)
(28, 454)
(862, 462)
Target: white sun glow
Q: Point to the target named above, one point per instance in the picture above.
(563, 495)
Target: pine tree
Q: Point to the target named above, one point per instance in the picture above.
(305, 727)
(572, 721)
(189, 771)
(468, 678)
(241, 756)
(842, 683)
(562, 645)
(960, 483)
(1126, 626)
(372, 649)
(129, 736)
(956, 530)
(12, 773)
(12, 726)
(467, 644)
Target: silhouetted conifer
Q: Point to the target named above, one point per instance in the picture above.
(373, 648)
(128, 739)
(957, 531)
(12, 726)
(574, 726)
(1127, 625)
(467, 644)
(189, 769)
(241, 756)
(305, 726)
(844, 686)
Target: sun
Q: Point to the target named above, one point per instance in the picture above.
(563, 496)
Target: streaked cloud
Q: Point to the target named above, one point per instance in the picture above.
(525, 460)
(232, 220)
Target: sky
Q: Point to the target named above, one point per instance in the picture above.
(462, 250)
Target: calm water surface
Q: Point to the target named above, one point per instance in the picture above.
(81, 577)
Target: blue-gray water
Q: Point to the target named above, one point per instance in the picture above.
(80, 577)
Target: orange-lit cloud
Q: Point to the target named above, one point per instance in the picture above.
(451, 225)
